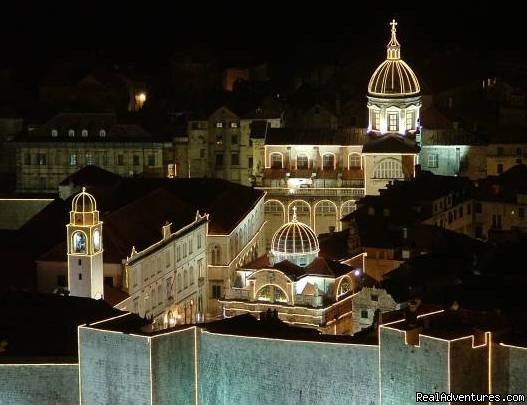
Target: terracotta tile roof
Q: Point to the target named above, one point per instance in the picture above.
(390, 144)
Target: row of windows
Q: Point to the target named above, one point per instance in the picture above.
(389, 169)
(71, 133)
(41, 159)
(500, 151)
(392, 120)
(234, 140)
(302, 161)
(231, 124)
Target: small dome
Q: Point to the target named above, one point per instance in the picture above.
(393, 77)
(83, 202)
(294, 238)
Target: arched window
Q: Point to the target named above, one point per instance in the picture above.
(185, 279)
(276, 160)
(54, 133)
(102, 133)
(354, 160)
(215, 255)
(84, 133)
(328, 161)
(71, 132)
(302, 161)
(78, 240)
(271, 293)
(344, 286)
(389, 169)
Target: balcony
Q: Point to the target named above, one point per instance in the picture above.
(353, 192)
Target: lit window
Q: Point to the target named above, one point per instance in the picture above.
(344, 287)
(376, 120)
(410, 120)
(302, 162)
(433, 160)
(393, 122)
(78, 242)
(276, 160)
(102, 133)
(234, 124)
(388, 169)
(171, 170)
(219, 139)
(219, 124)
(89, 159)
(84, 133)
(271, 293)
(54, 133)
(73, 159)
(354, 160)
(328, 161)
(71, 132)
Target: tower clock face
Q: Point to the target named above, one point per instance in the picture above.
(96, 240)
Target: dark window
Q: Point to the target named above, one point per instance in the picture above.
(496, 221)
(364, 313)
(202, 153)
(42, 159)
(27, 158)
(235, 159)
(151, 160)
(521, 212)
(108, 281)
(219, 159)
(469, 208)
(234, 139)
(80, 276)
(61, 280)
(519, 151)
(479, 231)
(500, 168)
(79, 262)
(216, 291)
(120, 160)
(374, 297)
(136, 160)
(250, 162)
(477, 207)
(250, 142)
(461, 212)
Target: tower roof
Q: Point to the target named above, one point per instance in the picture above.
(294, 238)
(83, 202)
(393, 77)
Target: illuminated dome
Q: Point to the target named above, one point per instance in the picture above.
(393, 77)
(296, 242)
(83, 202)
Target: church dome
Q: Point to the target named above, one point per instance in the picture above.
(294, 239)
(393, 77)
(83, 202)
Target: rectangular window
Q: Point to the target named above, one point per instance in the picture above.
(477, 208)
(364, 314)
(234, 124)
(234, 140)
(202, 153)
(136, 160)
(235, 159)
(73, 159)
(219, 159)
(216, 291)
(199, 241)
(80, 276)
(167, 258)
(374, 297)
(27, 158)
(500, 168)
(496, 221)
(219, 139)
(410, 120)
(89, 159)
(42, 159)
(108, 280)
(376, 120)
(393, 122)
(220, 124)
(433, 160)
(120, 160)
(151, 160)
(250, 162)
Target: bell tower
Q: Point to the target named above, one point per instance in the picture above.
(85, 262)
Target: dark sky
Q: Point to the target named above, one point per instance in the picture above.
(150, 31)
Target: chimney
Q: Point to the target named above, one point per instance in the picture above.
(166, 230)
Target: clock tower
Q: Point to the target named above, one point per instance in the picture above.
(85, 263)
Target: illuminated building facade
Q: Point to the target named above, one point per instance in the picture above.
(45, 156)
(305, 289)
(85, 249)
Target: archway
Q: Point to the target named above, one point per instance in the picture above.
(303, 211)
(275, 217)
(347, 207)
(325, 218)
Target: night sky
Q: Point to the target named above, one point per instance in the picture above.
(235, 31)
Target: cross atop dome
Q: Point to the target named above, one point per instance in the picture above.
(394, 48)
(294, 214)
